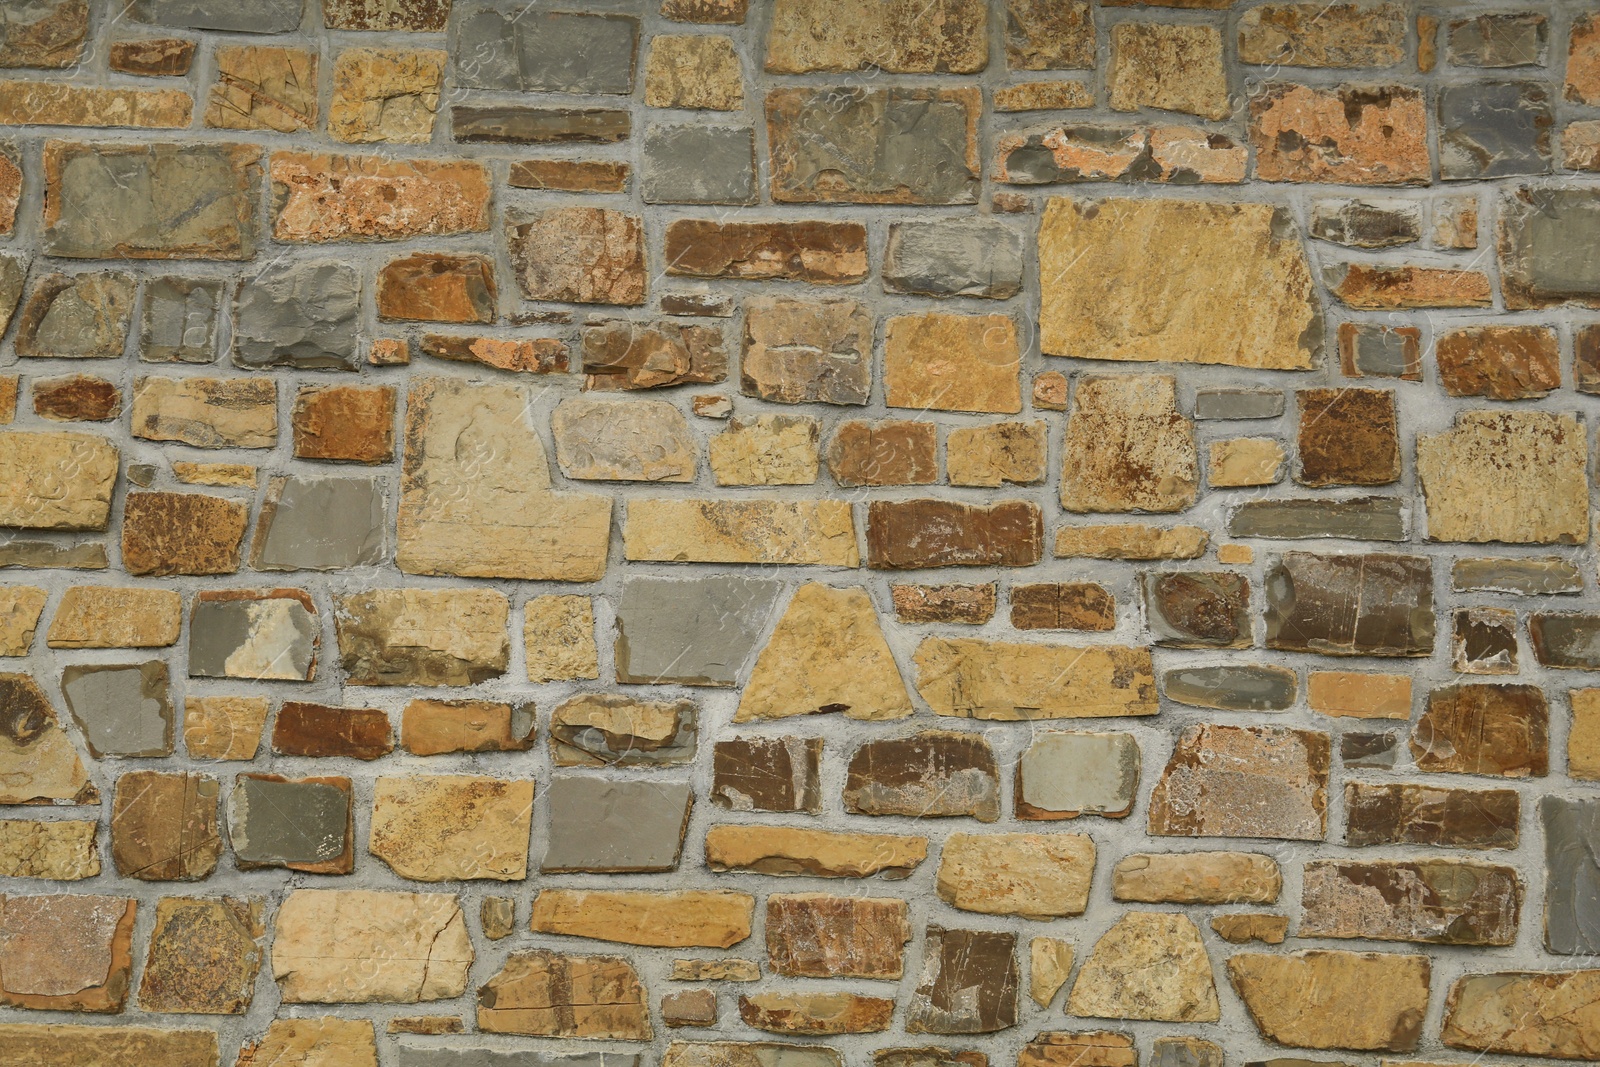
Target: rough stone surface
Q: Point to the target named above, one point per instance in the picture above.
(359, 946)
(967, 984)
(1197, 878)
(1244, 781)
(1353, 134)
(450, 827)
(1149, 965)
(1450, 902)
(933, 774)
(1037, 876)
(545, 994)
(979, 679)
(1536, 461)
(1333, 1000)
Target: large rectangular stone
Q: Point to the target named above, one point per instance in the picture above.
(677, 530)
(55, 1045)
(56, 481)
(1414, 814)
(1012, 681)
(1548, 241)
(544, 51)
(1441, 902)
(318, 196)
(1350, 605)
(709, 918)
(908, 534)
(1372, 518)
(690, 632)
(821, 252)
(59, 104)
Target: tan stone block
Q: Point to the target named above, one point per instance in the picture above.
(544, 994)
(606, 729)
(1009, 682)
(20, 609)
(1036, 876)
(1346, 1000)
(223, 727)
(1531, 1013)
(207, 412)
(581, 255)
(322, 197)
(1049, 964)
(385, 95)
(359, 947)
(38, 763)
(1516, 476)
(1043, 96)
(1197, 878)
(1000, 452)
(1244, 461)
(314, 1042)
(1323, 35)
(263, 87)
(558, 638)
(693, 71)
(766, 450)
(1235, 554)
(953, 363)
(728, 970)
(58, 104)
(56, 481)
(423, 636)
(788, 850)
(1134, 541)
(1583, 739)
(1241, 928)
(435, 727)
(817, 935)
(817, 1014)
(164, 826)
(1128, 447)
(898, 36)
(686, 918)
(59, 851)
(97, 616)
(39, 1045)
(221, 475)
(817, 532)
(441, 828)
(1100, 1048)
(623, 440)
(1359, 695)
(1149, 965)
(1169, 66)
(1583, 60)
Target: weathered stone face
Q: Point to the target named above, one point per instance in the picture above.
(1545, 255)
(1335, 35)
(767, 774)
(450, 827)
(1244, 781)
(579, 255)
(1379, 814)
(1149, 965)
(358, 946)
(69, 952)
(904, 535)
(526, 998)
(952, 363)
(123, 711)
(305, 824)
(204, 956)
(1168, 67)
(1494, 130)
(1350, 1000)
(1435, 901)
(1351, 605)
(1008, 682)
(1037, 876)
(423, 637)
(933, 774)
(546, 52)
(1356, 134)
(1347, 437)
(1484, 729)
(1197, 878)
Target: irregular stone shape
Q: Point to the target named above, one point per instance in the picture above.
(385, 95)
(697, 164)
(315, 1042)
(76, 398)
(952, 363)
(303, 824)
(967, 983)
(603, 826)
(624, 355)
(164, 826)
(933, 774)
(423, 636)
(1499, 362)
(1075, 153)
(1010, 682)
(613, 730)
(545, 51)
(1243, 928)
(623, 440)
(1371, 518)
(710, 918)
(34, 1045)
(1353, 134)
(77, 316)
(1444, 902)
(1360, 695)
(476, 498)
(295, 314)
(344, 423)
(539, 355)
(1332, 35)
(1263, 313)
(1244, 781)
(696, 632)
(954, 257)
(152, 57)
(767, 774)
(1197, 878)
(1374, 350)
(766, 450)
(440, 828)
(1036, 876)
(1050, 962)
(433, 287)
(813, 935)
(1534, 460)
(1044, 35)
(1351, 1000)
(435, 727)
(122, 710)
(1063, 775)
(207, 412)
(180, 320)
(1377, 288)
(38, 762)
(1149, 965)
(1100, 1048)
(1568, 640)
(823, 252)
(260, 87)
(826, 654)
(1350, 605)
(726, 970)
(1544, 236)
(22, 605)
(94, 616)
(363, 947)
(1066, 606)
(912, 534)
(570, 175)
(874, 145)
(319, 197)
(1232, 688)
(816, 1013)
(1170, 67)
(745, 1053)
(818, 532)
(303, 729)
(1494, 130)
(1198, 609)
(1347, 437)
(806, 36)
(784, 850)
(1540, 576)
(48, 35)
(1484, 641)
(503, 124)
(807, 351)
(1406, 814)
(582, 255)
(204, 956)
(66, 952)
(156, 201)
(972, 604)
(1571, 830)
(320, 524)
(693, 71)
(59, 851)
(1484, 729)
(1532, 1013)
(545, 994)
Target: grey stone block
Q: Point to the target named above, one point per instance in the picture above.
(320, 524)
(277, 636)
(122, 710)
(597, 824)
(1494, 130)
(698, 632)
(1232, 688)
(233, 16)
(272, 823)
(954, 257)
(545, 51)
(699, 165)
(1572, 878)
(302, 315)
(180, 320)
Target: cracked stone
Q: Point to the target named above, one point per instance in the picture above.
(813, 935)
(260, 87)
(767, 774)
(444, 828)
(164, 826)
(359, 947)
(583, 255)
(615, 730)
(1006, 682)
(967, 983)
(546, 994)
(204, 956)
(933, 774)
(389, 95)
(1244, 781)
(807, 351)
(77, 316)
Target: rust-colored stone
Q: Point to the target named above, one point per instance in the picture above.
(77, 398)
(1442, 902)
(813, 935)
(885, 452)
(204, 956)
(569, 175)
(816, 1014)
(435, 727)
(303, 729)
(321, 197)
(535, 355)
(626, 355)
(1499, 362)
(909, 534)
(434, 287)
(1063, 606)
(348, 423)
(1484, 729)
(822, 253)
(181, 533)
(1244, 781)
(1363, 135)
(973, 604)
(1347, 437)
(1370, 287)
(767, 774)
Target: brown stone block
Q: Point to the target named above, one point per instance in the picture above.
(347, 423)
(1484, 729)
(24, 103)
(152, 56)
(545, 994)
(952, 363)
(181, 533)
(1441, 902)
(1410, 814)
(77, 398)
(1347, 437)
(1063, 606)
(813, 935)
(628, 355)
(66, 953)
(321, 197)
(767, 774)
(263, 87)
(682, 919)
(905, 535)
(164, 826)
(47, 35)
(972, 604)
(1244, 781)
(1499, 362)
(886, 452)
(204, 956)
(822, 253)
(1529, 1013)
(303, 729)
(968, 983)
(434, 287)
(1380, 288)
(816, 1014)
(1350, 605)
(583, 255)
(933, 774)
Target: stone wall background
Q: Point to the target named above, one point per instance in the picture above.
(1474, 260)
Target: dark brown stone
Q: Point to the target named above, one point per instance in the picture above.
(907, 534)
(182, 533)
(434, 287)
(823, 253)
(1348, 437)
(887, 452)
(539, 125)
(968, 984)
(204, 956)
(972, 604)
(1377, 750)
(1063, 606)
(814, 935)
(1350, 605)
(1439, 902)
(1586, 357)
(78, 398)
(305, 729)
(1484, 641)
(1198, 609)
(767, 774)
(522, 355)
(1409, 814)
(933, 774)
(345, 423)
(153, 57)
(413, 16)
(76, 946)
(1499, 362)
(818, 1014)
(1566, 639)
(1244, 781)
(624, 355)
(164, 826)
(569, 175)
(1484, 729)
(721, 12)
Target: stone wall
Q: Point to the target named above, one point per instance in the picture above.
(794, 533)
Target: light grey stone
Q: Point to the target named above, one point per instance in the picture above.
(545, 51)
(699, 165)
(623, 440)
(1549, 246)
(272, 823)
(259, 637)
(954, 257)
(598, 824)
(79, 316)
(1242, 687)
(302, 315)
(233, 16)
(1494, 130)
(697, 632)
(479, 1056)
(320, 524)
(1228, 403)
(1373, 518)
(1082, 773)
(1572, 877)
(1381, 351)
(180, 320)
(123, 710)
